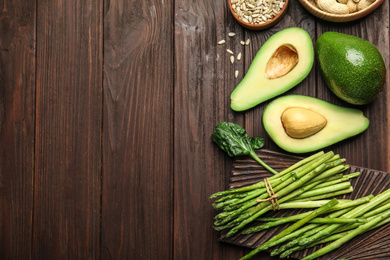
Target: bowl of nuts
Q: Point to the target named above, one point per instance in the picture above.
(340, 10)
(258, 14)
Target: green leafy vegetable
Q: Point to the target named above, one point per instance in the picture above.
(234, 140)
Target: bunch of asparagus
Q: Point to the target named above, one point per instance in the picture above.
(306, 184)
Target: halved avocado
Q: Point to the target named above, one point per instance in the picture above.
(283, 61)
(301, 124)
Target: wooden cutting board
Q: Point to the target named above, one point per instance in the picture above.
(374, 244)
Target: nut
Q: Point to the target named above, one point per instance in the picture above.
(332, 6)
(300, 122)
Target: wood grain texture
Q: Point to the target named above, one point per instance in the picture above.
(17, 115)
(137, 205)
(66, 220)
(369, 245)
(204, 79)
(106, 114)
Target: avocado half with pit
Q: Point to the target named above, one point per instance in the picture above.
(283, 61)
(301, 124)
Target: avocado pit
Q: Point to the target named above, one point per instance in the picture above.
(282, 61)
(300, 122)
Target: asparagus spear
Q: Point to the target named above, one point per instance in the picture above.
(324, 190)
(303, 204)
(338, 220)
(338, 180)
(328, 195)
(315, 221)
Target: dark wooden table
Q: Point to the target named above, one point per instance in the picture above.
(106, 115)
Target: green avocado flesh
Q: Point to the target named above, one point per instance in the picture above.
(352, 68)
(283, 61)
(341, 123)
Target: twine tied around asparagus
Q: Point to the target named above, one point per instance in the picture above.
(272, 196)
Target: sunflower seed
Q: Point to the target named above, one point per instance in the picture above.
(236, 74)
(248, 42)
(232, 59)
(242, 42)
(231, 34)
(229, 51)
(239, 56)
(221, 42)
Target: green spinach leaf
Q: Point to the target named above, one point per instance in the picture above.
(234, 140)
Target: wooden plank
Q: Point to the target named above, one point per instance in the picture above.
(68, 130)
(137, 141)
(204, 79)
(17, 92)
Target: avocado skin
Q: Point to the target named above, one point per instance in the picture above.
(353, 68)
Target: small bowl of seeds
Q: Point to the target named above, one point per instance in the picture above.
(258, 14)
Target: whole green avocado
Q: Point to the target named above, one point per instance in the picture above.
(352, 67)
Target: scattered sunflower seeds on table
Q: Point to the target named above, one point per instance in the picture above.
(243, 43)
